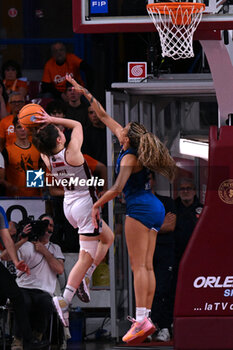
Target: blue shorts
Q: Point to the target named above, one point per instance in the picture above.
(146, 208)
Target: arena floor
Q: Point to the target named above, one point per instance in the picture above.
(103, 345)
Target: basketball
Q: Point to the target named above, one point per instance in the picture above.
(27, 115)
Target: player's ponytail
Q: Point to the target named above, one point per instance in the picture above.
(151, 152)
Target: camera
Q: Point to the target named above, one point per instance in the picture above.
(38, 229)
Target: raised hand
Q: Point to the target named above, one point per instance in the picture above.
(76, 85)
(39, 247)
(44, 118)
(27, 229)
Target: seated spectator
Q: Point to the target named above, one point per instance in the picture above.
(188, 209)
(20, 157)
(77, 106)
(94, 138)
(56, 68)
(161, 311)
(56, 108)
(46, 261)
(3, 100)
(9, 288)
(7, 132)
(12, 78)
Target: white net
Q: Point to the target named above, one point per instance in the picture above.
(176, 24)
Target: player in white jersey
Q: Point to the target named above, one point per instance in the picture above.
(79, 192)
(68, 166)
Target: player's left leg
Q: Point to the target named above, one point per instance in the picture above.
(106, 238)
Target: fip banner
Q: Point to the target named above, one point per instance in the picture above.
(98, 6)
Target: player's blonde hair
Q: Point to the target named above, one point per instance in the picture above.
(151, 152)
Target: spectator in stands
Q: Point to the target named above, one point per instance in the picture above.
(77, 105)
(188, 210)
(8, 286)
(46, 261)
(161, 312)
(20, 157)
(75, 108)
(12, 78)
(60, 64)
(3, 100)
(94, 142)
(7, 132)
(56, 108)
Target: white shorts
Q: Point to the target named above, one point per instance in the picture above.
(78, 213)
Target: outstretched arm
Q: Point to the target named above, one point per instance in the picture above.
(5, 256)
(100, 111)
(9, 244)
(127, 165)
(26, 230)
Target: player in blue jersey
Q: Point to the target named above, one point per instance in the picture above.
(141, 151)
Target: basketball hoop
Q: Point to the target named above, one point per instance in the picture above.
(176, 23)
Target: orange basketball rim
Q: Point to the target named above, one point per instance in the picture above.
(180, 12)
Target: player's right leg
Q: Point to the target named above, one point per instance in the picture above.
(137, 240)
(106, 239)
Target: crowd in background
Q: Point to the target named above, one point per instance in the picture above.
(18, 155)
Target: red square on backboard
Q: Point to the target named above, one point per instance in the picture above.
(137, 71)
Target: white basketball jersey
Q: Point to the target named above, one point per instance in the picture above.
(76, 180)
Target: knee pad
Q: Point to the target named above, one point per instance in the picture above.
(89, 247)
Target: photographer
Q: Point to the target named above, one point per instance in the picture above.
(45, 260)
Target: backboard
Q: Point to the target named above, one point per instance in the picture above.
(115, 16)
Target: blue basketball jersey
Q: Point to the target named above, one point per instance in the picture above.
(141, 203)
